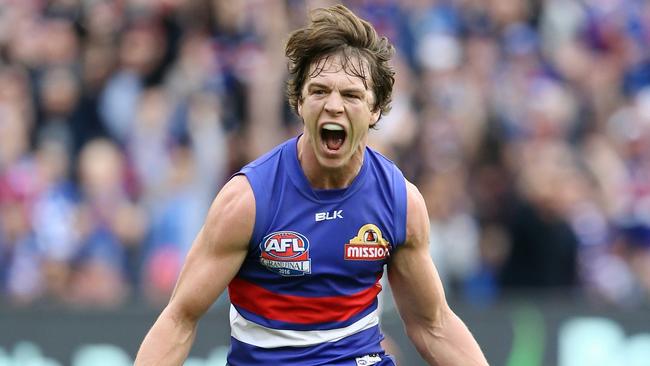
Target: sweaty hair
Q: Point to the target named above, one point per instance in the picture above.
(336, 31)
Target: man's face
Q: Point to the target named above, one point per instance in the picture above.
(337, 111)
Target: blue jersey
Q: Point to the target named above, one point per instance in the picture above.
(306, 293)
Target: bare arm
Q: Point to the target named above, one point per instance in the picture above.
(216, 255)
(437, 333)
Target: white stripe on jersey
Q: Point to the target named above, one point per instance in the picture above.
(254, 334)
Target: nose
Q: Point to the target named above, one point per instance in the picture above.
(334, 103)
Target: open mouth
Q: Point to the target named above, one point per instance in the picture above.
(333, 135)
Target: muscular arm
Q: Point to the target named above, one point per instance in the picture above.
(437, 333)
(216, 255)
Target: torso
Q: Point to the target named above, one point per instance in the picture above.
(311, 277)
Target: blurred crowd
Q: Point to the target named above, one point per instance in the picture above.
(525, 124)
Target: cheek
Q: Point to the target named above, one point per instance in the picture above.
(309, 116)
(362, 117)
(311, 110)
(359, 131)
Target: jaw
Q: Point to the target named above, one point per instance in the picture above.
(320, 166)
(346, 156)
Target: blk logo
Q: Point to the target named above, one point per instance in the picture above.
(336, 214)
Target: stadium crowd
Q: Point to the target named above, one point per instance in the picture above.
(526, 125)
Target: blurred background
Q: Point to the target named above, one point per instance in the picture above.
(525, 124)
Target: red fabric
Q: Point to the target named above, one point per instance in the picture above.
(299, 309)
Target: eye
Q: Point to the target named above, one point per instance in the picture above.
(352, 96)
(318, 92)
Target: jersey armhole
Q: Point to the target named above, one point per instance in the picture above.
(261, 203)
(399, 197)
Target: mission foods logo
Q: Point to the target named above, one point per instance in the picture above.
(286, 253)
(368, 245)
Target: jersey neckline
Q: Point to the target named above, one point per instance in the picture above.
(299, 179)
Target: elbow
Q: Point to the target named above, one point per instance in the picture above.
(181, 318)
(428, 326)
(433, 319)
(443, 339)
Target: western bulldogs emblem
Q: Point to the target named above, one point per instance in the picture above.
(368, 245)
(286, 253)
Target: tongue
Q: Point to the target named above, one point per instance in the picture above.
(333, 139)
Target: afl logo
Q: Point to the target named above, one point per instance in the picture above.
(286, 253)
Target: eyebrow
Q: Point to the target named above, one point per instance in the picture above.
(315, 84)
(352, 89)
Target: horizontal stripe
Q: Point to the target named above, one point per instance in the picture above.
(254, 334)
(299, 309)
(270, 323)
(340, 353)
(316, 284)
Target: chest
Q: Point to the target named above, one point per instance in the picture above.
(309, 239)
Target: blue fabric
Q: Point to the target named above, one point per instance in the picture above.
(341, 353)
(300, 241)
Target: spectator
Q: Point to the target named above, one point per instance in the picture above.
(517, 118)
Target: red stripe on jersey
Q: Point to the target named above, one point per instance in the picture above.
(299, 309)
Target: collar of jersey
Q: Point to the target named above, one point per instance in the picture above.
(290, 157)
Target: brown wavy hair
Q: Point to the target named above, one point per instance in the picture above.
(336, 31)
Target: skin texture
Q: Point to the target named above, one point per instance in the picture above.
(216, 255)
(437, 333)
(333, 96)
(329, 96)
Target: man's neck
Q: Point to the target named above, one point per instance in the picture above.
(320, 177)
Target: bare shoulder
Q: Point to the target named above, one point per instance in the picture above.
(237, 192)
(232, 213)
(217, 252)
(417, 217)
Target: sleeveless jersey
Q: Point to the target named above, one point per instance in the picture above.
(306, 293)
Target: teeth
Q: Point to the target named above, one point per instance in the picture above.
(332, 127)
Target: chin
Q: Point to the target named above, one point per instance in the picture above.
(332, 163)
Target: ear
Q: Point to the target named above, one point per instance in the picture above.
(374, 116)
(299, 107)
